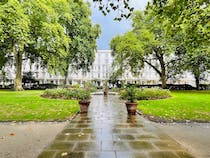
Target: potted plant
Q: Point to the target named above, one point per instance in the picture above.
(84, 100)
(105, 88)
(130, 95)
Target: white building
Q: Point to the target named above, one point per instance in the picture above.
(99, 73)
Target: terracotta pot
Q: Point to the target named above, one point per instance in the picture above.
(84, 106)
(131, 107)
(105, 92)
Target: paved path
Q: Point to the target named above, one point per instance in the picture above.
(27, 139)
(108, 132)
(193, 136)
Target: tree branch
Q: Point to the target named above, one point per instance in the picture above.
(150, 64)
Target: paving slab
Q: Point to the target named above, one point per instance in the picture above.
(107, 131)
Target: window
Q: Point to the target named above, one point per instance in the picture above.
(106, 61)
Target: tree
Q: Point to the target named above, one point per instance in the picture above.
(198, 65)
(15, 32)
(153, 49)
(187, 24)
(32, 28)
(3, 59)
(127, 51)
(83, 37)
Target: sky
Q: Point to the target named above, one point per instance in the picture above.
(111, 28)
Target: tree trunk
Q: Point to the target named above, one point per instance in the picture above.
(65, 80)
(163, 80)
(163, 70)
(18, 77)
(197, 82)
(66, 76)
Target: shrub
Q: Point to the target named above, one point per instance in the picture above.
(116, 89)
(81, 94)
(152, 93)
(147, 94)
(90, 86)
(75, 86)
(129, 94)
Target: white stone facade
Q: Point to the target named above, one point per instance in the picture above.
(99, 72)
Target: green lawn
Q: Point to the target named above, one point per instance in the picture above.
(183, 105)
(28, 106)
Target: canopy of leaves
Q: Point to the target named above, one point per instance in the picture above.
(127, 51)
(14, 26)
(50, 30)
(187, 25)
(83, 35)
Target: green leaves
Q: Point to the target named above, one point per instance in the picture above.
(57, 32)
(128, 52)
(14, 25)
(83, 35)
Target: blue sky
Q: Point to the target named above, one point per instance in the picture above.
(111, 28)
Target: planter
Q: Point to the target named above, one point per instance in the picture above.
(131, 107)
(105, 92)
(84, 106)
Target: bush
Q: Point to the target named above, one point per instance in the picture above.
(148, 94)
(80, 94)
(129, 94)
(152, 93)
(83, 94)
(90, 86)
(75, 86)
(116, 89)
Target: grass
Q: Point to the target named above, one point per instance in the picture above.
(183, 105)
(29, 106)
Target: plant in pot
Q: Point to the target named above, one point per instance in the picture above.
(84, 100)
(105, 88)
(130, 95)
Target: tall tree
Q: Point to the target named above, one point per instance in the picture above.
(127, 52)
(32, 28)
(83, 35)
(187, 24)
(153, 50)
(15, 32)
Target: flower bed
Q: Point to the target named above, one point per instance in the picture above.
(71, 93)
(148, 94)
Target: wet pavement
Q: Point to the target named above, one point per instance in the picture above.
(108, 132)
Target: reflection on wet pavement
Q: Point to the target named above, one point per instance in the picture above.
(108, 132)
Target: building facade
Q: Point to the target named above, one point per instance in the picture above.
(99, 73)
